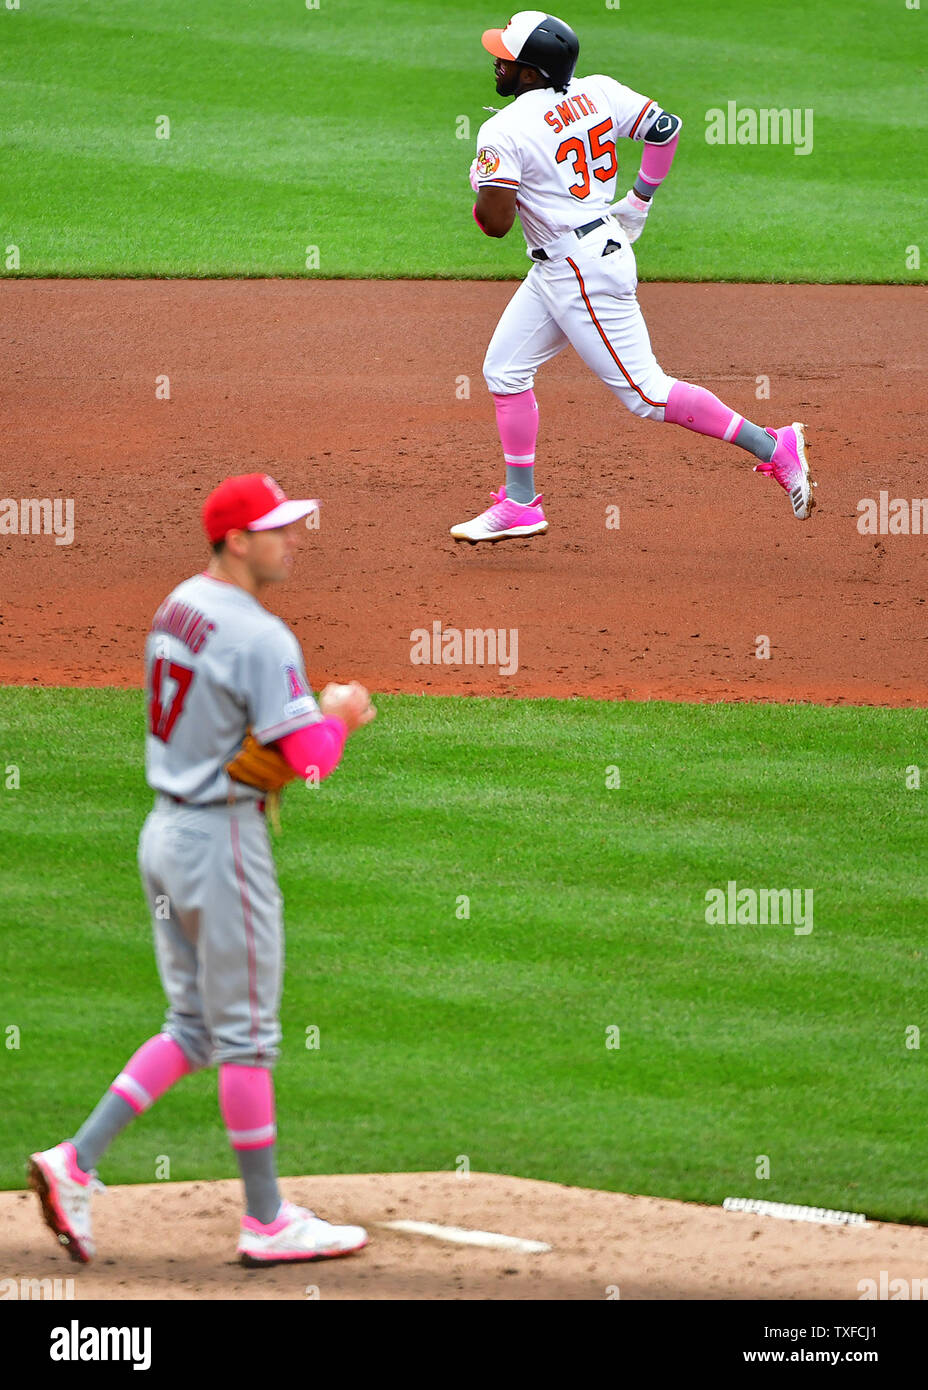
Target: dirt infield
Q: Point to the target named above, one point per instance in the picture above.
(358, 393)
(177, 1240)
(349, 391)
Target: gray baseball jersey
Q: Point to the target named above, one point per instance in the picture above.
(216, 663)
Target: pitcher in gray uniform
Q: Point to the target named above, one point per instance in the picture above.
(219, 666)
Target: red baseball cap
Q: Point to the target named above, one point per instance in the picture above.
(250, 502)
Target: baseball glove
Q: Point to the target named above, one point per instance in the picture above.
(260, 765)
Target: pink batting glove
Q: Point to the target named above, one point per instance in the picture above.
(473, 177)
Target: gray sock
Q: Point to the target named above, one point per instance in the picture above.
(259, 1174)
(520, 482)
(100, 1129)
(756, 440)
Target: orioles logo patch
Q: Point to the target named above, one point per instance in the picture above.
(487, 161)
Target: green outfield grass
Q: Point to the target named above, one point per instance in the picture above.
(485, 1036)
(337, 128)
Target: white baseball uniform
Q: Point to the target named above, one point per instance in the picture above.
(558, 151)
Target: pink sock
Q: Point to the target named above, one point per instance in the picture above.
(151, 1071)
(517, 422)
(246, 1099)
(697, 409)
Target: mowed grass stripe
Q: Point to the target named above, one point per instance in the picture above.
(339, 128)
(444, 1034)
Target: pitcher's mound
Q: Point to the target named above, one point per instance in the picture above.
(177, 1240)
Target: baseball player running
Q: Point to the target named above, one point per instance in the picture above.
(551, 156)
(231, 719)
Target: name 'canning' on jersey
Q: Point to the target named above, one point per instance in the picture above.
(217, 663)
(558, 151)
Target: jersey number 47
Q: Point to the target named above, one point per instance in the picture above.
(162, 716)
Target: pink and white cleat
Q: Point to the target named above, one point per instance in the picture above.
(65, 1192)
(296, 1235)
(504, 520)
(790, 468)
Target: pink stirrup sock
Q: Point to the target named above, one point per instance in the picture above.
(246, 1100)
(517, 422)
(151, 1071)
(697, 409)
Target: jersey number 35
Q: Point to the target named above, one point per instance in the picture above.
(575, 150)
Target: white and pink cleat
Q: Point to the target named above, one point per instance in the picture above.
(297, 1234)
(790, 468)
(503, 521)
(65, 1192)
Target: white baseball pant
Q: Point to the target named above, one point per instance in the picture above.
(587, 299)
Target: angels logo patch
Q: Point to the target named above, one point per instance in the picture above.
(301, 700)
(487, 161)
(295, 683)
